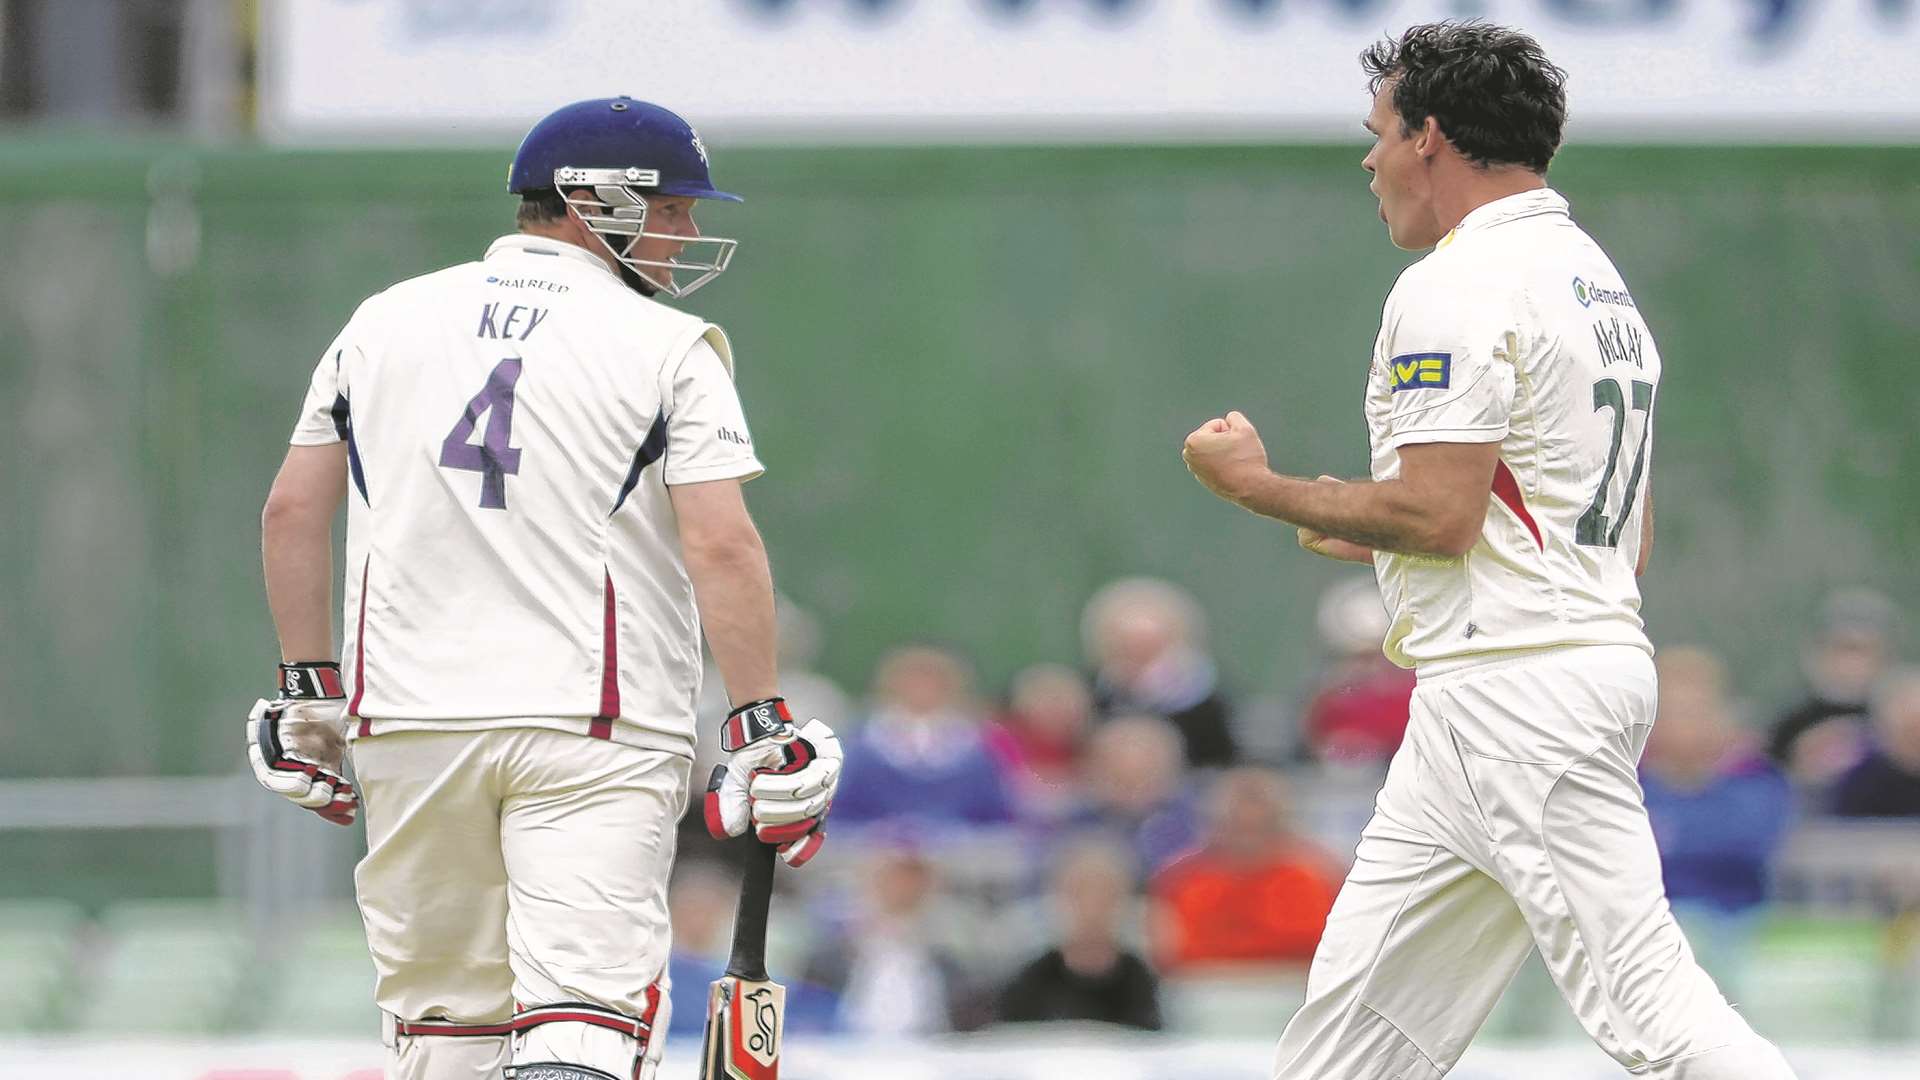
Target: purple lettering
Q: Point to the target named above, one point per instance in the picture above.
(493, 459)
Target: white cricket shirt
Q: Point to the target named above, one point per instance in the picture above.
(1517, 329)
(512, 557)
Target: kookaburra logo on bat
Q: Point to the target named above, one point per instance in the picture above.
(766, 1019)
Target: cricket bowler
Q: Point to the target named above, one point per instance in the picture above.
(543, 465)
(1509, 410)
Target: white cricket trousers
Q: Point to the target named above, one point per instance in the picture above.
(509, 872)
(1511, 819)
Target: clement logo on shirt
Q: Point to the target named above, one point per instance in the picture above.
(1421, 371)
(1588, 294)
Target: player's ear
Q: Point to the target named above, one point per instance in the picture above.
(1426, 141)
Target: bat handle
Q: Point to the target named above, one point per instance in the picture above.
(749, 959)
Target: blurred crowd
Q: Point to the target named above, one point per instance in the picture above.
(1064, 849)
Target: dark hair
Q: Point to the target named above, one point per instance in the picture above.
(1498, 98)
(540, 207)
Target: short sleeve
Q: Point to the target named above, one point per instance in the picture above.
(323, 418)
(1450, 368)
(707, 436)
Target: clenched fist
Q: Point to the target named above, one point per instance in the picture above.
(1227, 456)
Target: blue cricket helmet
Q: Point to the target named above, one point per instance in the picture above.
(616, 133)
(608, 156)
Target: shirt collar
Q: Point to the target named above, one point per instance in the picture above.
(528, 244)
(1510, 208)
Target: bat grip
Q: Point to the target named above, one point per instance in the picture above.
(749, 959)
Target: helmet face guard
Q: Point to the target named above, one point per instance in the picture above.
(612, 204)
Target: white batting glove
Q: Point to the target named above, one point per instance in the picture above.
(778, 780)
(296, 743)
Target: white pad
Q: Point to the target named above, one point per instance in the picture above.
(611, 1052)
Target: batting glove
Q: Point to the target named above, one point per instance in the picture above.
(777, 779)
(297, 741)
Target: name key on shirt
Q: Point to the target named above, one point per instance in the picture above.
(498, 323)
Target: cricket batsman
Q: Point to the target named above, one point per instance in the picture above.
(1509, 411)
(543, 467)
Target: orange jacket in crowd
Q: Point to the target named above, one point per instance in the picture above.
(1217, 907)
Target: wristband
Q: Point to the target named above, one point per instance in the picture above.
(754, 721)
(311, 680)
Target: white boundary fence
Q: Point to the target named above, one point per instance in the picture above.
(274, 859)
(270, 856)
(1039, 1055)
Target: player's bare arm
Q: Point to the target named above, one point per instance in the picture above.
(1331, 547)
(778, 779)
(1646, 535)
(296, 548)
(296, 742)
(732, 585)
(1436, 506)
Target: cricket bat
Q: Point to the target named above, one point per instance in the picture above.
(745, 1008)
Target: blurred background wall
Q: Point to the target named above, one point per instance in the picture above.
(970, 369)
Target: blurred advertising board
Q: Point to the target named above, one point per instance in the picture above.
(1042, 70)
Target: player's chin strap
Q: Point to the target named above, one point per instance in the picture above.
(589, 1018)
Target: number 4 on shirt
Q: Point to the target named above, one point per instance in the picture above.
(493, 459)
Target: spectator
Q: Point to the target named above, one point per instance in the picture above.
(1089, 974)
(1146, 639)
(700, 906)
(1253, 892)
(893, 971)
(1135, 793)
(1887, 783)
(1718, 808)
(922, 752)
(1042, 739)
(1827, 733)
(1359, 714)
